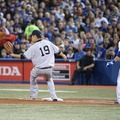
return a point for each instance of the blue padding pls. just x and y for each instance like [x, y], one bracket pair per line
[104, 75]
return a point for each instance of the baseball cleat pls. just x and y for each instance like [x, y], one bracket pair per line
[32, 98]
[55, 100]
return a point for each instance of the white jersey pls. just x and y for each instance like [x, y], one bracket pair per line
[99, 20]
[42, 53]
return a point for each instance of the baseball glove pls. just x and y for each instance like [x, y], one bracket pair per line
[4, 38]
[8, 47]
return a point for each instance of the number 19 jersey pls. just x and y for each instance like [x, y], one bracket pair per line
[42, 53]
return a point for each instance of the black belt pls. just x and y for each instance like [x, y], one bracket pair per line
[46, 67]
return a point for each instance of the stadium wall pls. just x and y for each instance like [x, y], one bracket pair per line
[18, 71]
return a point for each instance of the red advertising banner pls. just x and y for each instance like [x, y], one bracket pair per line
[62, 72]
[27, 69]
[20, 71]
[11, 70]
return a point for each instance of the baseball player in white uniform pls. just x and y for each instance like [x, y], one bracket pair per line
[42, 55]
[117, 58]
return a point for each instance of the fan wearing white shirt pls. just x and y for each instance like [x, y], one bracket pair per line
[99, 19]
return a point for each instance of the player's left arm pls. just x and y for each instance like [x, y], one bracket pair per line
[21, 56]
[15, 55]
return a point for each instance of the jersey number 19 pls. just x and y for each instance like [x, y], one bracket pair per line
[45, 50]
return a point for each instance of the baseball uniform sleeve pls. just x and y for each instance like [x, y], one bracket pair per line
[55, 48]
[29, 53]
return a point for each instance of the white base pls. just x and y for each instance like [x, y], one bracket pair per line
[50, 99]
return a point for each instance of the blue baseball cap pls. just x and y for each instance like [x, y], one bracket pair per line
[88, 47]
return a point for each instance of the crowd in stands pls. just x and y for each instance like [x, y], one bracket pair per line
[70, 24]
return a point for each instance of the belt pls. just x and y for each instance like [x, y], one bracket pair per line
[46, 67]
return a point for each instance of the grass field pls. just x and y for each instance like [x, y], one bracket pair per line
[69, 109]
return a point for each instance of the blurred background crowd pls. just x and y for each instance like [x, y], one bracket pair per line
[69, 24]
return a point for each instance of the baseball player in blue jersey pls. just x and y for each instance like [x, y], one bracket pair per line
[42, 55]
[117, 58]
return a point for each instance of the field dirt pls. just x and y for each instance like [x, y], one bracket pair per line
[69, 101]
[65, 102]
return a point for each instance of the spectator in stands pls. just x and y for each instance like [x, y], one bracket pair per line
[2, 17]
[67, 44]
[40, 25]
[76, 40]
[80, 53]
[62, 48]
[91, 42]
[30, 28]
[55, 34]
[70, 53]
[110, 53]
[70, 27]
[46, 19]
[60, 14]
[23, 45]
[88, 18]
[98, 35]
[4, 54]
[58, 41]
[88, 8]
[104, 27]
[67, 14]
[118, 28]
[3, 28]
[61, 26]
[17, 48]
[84, 65]
[63, 35]
[100, 18]
[83, 36]
[71, 44]
[70, 35]
[80, 27]
[101, 51]
[107, 41]
[114, 42]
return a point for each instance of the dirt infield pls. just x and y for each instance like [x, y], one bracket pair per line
[70, 101]
[65, 102]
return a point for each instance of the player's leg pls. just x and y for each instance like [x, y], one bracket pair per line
[51, 86]
[118, 88]
[33, 84]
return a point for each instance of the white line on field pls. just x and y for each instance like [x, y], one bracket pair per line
[25, 90]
